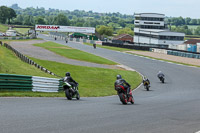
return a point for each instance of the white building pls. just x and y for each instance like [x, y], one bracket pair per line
[150, 28]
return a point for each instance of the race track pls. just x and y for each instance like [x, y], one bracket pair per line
[173, 107]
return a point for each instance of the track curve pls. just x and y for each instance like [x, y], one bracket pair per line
[172, 107]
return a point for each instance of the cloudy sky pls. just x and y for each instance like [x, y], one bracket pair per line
[174, 8]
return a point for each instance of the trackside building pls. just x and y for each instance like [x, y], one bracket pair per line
[150, 28]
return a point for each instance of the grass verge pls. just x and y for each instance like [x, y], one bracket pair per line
[74, 53]
[3, 28]
[11, 64]
[93, 82]
[108, 47]
[22, 30]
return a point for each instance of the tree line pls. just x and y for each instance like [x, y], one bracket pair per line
[105, 23]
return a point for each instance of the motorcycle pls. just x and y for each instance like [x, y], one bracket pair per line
[146, 85]
[162, 79]
[71, 92]
[122, 93]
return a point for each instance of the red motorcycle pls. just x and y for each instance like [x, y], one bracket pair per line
[122, 93]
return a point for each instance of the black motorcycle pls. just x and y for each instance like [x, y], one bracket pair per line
[71, 92]
[146, 85]
[162, 79]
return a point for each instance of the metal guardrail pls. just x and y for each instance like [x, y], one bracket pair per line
[16, 38]
[13, 82]
[42, 84]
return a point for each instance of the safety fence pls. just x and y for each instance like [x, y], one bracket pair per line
[14, 82]
[177, 53]
[16, 38]
[27, 60]
[145, 48]
[63, 37]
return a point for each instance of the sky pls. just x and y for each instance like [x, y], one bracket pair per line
[171, 8]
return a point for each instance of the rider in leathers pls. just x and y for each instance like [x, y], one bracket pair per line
[70, 80]
[160, 74]
[123, 82]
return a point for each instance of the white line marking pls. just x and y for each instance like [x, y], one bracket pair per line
[198, 132]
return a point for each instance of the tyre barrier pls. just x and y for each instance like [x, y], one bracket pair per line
[12, 82]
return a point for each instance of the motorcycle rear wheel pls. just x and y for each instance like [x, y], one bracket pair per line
[132, 101]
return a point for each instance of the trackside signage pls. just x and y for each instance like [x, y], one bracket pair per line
[64, 28]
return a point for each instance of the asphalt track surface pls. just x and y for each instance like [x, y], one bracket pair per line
[173, 107]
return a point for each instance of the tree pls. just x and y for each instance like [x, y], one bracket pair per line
[61, 19]
[187, 20]
[125, 31]
[39, 20]
[28, 20]
[3, 14]
[105, 30]
[11, 14]
[197, 31]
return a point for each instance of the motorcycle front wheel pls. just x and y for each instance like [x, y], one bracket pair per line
[147, 87]
[77, 96]
[68, 94]
[122, 98]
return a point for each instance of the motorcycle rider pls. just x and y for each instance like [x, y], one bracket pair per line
[70, 80]
[160, 75]
[145, 79]
[66, 39]
[123, 82]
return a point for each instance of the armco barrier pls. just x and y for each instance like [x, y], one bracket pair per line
[42, 84]
[16, 38]
[145, 48]
[13, 82]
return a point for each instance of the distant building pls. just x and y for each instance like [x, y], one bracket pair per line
[150, 28]
[124, 38]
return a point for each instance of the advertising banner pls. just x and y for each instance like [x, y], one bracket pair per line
[64, 28]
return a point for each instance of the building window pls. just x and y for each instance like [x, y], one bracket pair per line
[149, 19]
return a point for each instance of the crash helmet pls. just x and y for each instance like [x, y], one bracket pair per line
[67, 74]
[119, 76]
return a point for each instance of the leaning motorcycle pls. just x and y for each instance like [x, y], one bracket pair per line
[146, 85]
[122, 93]
[162, 79]
[71, 92]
